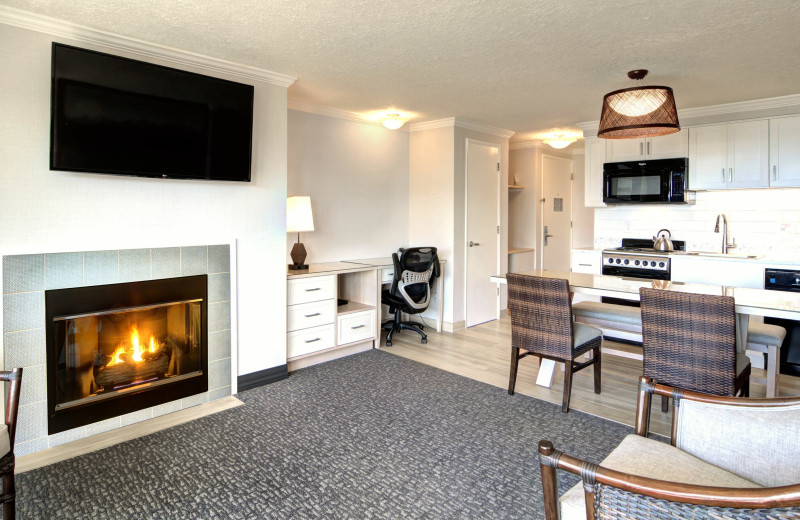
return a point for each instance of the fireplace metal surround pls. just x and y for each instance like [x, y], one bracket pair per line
[65, 307]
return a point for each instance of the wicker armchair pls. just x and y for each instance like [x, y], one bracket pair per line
[541, 325]
[7, 433]
[689, 342]
[729, 458]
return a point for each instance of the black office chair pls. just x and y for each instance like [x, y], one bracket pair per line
[410, 292]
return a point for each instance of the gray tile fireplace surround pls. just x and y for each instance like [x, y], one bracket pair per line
[26, 277]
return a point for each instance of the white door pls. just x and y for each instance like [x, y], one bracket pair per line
[556, 231]
[482, 238]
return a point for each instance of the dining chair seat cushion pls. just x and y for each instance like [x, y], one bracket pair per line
[583, 334]
[765, 334]
[654, 459]
[608, 312]
[756, 443]
[5, 442]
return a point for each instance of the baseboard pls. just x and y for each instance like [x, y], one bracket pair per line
[454, 327]
[262, 377]
[330, 354]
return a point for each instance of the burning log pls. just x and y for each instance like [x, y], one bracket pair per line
[129, 364]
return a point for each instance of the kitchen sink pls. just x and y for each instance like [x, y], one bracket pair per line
[723, 255]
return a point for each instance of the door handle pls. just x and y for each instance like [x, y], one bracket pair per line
[473, 244]
[546, 235]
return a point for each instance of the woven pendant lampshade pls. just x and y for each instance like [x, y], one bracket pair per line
[645, 111]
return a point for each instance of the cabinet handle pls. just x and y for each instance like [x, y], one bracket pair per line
[312, 315]
[312, 340]
[774, 172]
[723, 175]
[730, 174]
[314, 289]
[358, 327]
[648, 147]
[585, 265]
[641, 148]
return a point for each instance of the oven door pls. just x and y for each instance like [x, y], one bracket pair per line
[635, 186]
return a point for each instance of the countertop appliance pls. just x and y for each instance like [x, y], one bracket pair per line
[786, 280]
[662, 181]
[636, 258]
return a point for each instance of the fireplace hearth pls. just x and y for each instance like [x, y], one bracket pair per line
[115, 349]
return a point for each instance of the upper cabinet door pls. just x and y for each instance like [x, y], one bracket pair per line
[595, 149]
[620, 150]
[748, 154]
[784, 152]
[667, 146]
[708, 157]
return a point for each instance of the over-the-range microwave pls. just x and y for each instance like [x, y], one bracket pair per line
[660, 181]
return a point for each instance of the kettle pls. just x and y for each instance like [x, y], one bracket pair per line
[661, 242]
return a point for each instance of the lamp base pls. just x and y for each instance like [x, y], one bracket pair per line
[298, 255]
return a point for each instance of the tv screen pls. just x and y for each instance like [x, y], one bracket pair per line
[121, 116]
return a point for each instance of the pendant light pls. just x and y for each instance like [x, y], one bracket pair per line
[643, 111]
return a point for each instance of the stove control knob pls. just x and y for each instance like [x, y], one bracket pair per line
[627, 261]
[636, 262]
[618, 260]
[661, 264]
[610, 260]
[646, 263]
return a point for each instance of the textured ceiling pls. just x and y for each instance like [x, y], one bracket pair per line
[523, 65]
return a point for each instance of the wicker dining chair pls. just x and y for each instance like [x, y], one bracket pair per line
[542, 325]
[7, 433]
[689, 341]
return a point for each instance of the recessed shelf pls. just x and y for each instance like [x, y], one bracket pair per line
[516, 187]
[350, 307]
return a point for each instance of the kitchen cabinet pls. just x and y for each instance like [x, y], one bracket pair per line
[663, 147]
[784, 152]
[595, 150]
[731, 272]
[727, 156]
[587, 261]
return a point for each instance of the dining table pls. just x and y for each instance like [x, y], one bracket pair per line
[748, 301]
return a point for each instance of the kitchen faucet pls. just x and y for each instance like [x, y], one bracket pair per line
[725, 244]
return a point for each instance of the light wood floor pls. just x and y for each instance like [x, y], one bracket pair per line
[483, 353]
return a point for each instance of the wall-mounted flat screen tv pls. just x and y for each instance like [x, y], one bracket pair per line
[127, 117]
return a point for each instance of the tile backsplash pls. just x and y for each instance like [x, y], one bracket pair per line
[765, 221]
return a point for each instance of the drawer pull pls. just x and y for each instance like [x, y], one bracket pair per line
[586, 265]
[312, 340]
[358, 326]
[312, 315]
[314, 289]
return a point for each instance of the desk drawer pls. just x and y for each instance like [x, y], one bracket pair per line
[312, 289]
[356, 326]
[387, 275]
[311, 314]
[310, 340]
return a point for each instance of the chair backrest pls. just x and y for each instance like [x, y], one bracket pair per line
[541, 314]
[14, 378]
[414, 271]
[689, 340]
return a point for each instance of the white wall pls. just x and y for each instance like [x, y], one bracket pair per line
[582, 217]
[765, 221]
[47, 211]
[357, 177]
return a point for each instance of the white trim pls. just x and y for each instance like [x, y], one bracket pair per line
[303, 106]
[461, 123]
[81, 33]
[523, 145]
[724, 109]
[498, 262]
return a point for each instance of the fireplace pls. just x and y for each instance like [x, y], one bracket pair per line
[115, 349]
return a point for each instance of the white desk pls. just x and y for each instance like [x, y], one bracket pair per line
[385, 267]
[758, 302]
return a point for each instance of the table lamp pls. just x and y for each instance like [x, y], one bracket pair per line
[298, 219]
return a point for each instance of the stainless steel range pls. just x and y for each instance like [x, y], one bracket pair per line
[637, 259]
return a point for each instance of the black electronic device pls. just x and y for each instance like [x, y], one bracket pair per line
[121, 116]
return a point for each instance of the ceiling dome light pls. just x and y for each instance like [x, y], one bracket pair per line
[392, 121]
[559, 141]
[645, 111]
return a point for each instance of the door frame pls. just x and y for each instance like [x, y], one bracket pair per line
[498, 220]
[540, 231]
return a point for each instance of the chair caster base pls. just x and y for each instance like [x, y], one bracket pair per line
[388, 343]
[424, 340]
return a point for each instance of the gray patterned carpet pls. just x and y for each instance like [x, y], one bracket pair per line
[368, 436]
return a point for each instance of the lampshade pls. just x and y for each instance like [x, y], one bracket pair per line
[298, 215]
[392, 121]
[645, 111]
[559, 141]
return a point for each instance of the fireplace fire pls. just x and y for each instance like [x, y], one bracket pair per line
[114, 349]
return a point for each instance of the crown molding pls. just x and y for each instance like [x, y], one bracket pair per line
[430, 125]
[63, 29]
[303, 106]
[461, 123]
[522, 145]
[724, 109]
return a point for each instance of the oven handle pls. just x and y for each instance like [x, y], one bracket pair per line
[635, 273]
